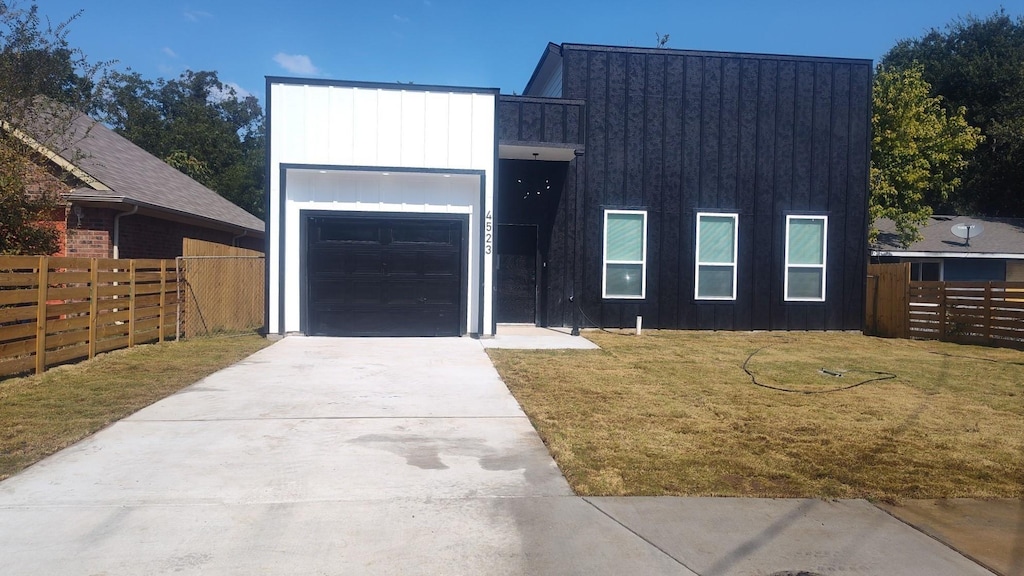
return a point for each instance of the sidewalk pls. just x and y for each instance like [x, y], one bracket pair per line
[990, 532]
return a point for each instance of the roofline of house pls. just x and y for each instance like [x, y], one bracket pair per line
[290, 81]
[54, 157]
[549, 50]
[910, 254]
[541, 100]
[147, 209]
[713, 53]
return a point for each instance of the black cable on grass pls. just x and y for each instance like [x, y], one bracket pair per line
[977, 358]
[882, 376]
[596, 325]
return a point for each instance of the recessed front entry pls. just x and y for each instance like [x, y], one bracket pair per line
[516, 274]
[385, 275]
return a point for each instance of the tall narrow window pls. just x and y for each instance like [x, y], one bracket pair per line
[716, 256]
[806, 248]
[625, 254]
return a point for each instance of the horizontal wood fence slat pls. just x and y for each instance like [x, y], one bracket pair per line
[55, 310]
[989, 313]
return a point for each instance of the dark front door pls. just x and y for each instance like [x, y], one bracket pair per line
[516, 247]
[384, 276]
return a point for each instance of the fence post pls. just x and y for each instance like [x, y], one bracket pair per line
[94, 305]
[905, 299]
[177, 294]
[988, 312]
[943, 313]
[163, 300]
[131, 303]
[44, 271]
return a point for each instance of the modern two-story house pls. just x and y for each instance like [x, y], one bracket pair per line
[697, 190]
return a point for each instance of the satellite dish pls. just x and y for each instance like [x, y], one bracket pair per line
[967, 230]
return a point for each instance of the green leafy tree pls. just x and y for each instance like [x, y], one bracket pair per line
[917, 151]
[195, 123]
[978, 64]
[43, 80]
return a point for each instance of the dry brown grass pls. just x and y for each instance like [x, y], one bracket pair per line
[673, 413]
[40, 415]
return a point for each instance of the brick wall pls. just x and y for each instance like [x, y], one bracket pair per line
[147, 237]
[89, 236]
[140, 236]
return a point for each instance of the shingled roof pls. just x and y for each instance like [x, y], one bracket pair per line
[1000, 236]
[119, 172]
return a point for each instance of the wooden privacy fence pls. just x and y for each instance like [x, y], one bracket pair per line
[990, 313]
[222, 288]
[887, 304]
[55, 310]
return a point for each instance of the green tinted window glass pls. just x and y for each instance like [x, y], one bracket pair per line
[716, 239]
[625, 237]
[806, 241]
[624, 280]
[805, 283]
[714, 282]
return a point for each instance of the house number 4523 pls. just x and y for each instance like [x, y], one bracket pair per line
[488, 232]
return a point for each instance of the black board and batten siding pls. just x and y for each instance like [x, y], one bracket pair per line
[539, 120]
[677, 132]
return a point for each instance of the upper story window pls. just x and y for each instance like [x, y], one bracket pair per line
[716, 256]
[806, 250]
[624, 272]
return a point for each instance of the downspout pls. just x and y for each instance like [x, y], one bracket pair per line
[242, 235]
[116, 240]
[117, 230]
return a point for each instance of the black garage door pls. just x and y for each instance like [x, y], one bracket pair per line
[384, 276]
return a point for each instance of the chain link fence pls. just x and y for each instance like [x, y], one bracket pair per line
[220, 295]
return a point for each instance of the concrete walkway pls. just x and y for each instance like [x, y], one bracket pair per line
[394, 456]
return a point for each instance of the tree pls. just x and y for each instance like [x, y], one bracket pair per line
[978, 64]
[195, 123]
[918, 151]
[43, 80]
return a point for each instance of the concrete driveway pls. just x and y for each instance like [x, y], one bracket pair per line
[393, 456]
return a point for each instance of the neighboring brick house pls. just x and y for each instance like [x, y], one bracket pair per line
[123, 202]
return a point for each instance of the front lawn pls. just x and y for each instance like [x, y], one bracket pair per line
[674, 413]
[42, 414]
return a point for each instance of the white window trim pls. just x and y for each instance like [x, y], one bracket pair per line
[605, 261]
[735, 254]
[824, 258]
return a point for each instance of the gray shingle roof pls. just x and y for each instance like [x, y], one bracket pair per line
[135, 176]
[999, 236]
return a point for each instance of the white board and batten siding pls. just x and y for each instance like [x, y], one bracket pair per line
[432, 145]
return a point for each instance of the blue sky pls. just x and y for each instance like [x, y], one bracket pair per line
[470, 43]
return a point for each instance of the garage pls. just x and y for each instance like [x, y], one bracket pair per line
[380, 209]
[385, 275]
